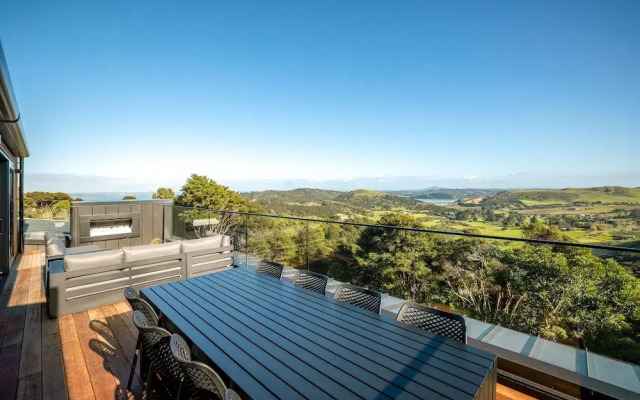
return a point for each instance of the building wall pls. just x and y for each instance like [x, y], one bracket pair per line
[6, 152]
[151, 221]
[16, 212]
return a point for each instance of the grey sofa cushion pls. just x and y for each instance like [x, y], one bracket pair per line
[92, 260]
[82, 249]
[137, 253]
[55, 248]
[208, 243]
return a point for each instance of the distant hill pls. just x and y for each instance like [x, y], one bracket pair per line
[446, 194]
[545, 197]
[326, 203]
[376, 201]
[303, 195]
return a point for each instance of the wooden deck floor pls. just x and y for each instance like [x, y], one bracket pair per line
[86, 355]
[81, 356]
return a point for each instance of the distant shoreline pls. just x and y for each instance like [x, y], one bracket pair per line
[110, 196]
[437, 201]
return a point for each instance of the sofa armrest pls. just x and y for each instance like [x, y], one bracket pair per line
[55, 287]
[54, 257]
[47, 261]
[209, 260]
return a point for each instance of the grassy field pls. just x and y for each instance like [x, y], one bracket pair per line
[601, 206]
[589, 215]
[486, 228]
[591, 209]
[605, 195]
[534, 203]
[497, 229]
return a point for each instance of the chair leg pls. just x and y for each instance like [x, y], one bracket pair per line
[179, 389]
[148, 383]
[134, 362]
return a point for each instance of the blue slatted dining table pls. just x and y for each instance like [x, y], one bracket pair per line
[277, 341]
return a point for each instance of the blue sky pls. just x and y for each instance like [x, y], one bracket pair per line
[121, 95]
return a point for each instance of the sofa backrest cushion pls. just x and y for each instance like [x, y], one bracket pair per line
[77, 262]
[137, 253]
[48, 237]
[208, 243]
[55, 248]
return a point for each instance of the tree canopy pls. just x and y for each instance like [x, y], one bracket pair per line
[207, 198]
[203, 192]
[45, 199]
[63, 205]
[164, 193]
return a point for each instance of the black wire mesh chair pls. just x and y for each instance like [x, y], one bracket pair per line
[433, 320]
[230, 394]
[359, 297]
[311, 281]
[269, 268]
[201, 381]
[156, 352]
[138, 304]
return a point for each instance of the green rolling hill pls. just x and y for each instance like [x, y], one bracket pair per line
[547, 197]
[327, 203]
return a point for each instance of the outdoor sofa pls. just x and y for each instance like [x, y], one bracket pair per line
[55, 250]
[94, 277]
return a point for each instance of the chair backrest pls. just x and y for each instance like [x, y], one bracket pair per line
[149, 333]
[232, 395]
[269, 268]
[311, 281]
[156, 347]
[433, 320]
[359, 297]
[201, 380]
[138, 304]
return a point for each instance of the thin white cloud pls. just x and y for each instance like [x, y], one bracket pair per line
[97, 183]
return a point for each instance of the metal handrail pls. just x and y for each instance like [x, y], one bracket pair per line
[424, 230]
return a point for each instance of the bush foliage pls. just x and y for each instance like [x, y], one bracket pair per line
[47, 205]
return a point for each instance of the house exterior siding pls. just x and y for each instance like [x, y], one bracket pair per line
[13, 150]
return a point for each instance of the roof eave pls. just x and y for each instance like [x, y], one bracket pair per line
[10, 125]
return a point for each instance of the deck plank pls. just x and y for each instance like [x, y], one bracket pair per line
[126, 313]
[13, 294]
[31, 358]
[124, 336]
[30, 387]
[115, 355]
[18, 309]
[9, 367]
[6, 299]
[102, 380]
[77, 376]
[53, 374]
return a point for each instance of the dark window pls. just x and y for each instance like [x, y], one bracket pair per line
[12, 213]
